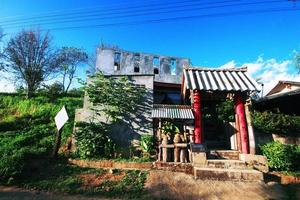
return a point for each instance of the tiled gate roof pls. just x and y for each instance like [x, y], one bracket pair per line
[219, 79]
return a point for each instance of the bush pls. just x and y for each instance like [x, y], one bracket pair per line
[282, 157]
[17, 152]
[281, 124]
[147, 143]
[92, 141]
[225, 111]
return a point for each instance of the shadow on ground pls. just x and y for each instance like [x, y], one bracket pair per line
[170, 185]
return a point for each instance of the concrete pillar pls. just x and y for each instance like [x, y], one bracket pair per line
[240, 114]
[198, 139]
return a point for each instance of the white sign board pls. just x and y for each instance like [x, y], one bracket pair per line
[61, 118]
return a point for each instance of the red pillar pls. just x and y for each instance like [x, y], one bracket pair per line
[240, 113]
[197, 114]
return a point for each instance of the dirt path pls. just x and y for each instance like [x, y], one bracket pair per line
[15, 193]
[170, 185]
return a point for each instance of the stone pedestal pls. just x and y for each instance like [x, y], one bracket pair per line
[198, 154]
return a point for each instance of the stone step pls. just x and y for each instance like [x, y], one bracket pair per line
[223, 154]
[227, 164]
[228, 174]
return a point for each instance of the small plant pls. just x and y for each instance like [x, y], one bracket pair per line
[225, 111]
[169, 129]
[92, 141]
[281, 157]
[147, 144]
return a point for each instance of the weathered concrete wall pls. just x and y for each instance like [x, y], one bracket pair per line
[131, 127]
[169, 68]
[117, 62]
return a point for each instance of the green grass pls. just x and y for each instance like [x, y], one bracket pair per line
[27, 133]
[27, 130]
[62, 177]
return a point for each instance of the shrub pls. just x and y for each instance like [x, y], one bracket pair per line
[92, 141]
[147, 143]
[281, 124]
[225, 111]
[282, 157]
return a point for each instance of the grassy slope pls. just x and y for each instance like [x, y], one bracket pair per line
[27, 133]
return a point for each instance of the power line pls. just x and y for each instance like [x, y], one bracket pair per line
[163, 20]
[157, 11]
[84, 10]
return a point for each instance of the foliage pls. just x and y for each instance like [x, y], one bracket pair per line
[92, 141]
[69, 58]
[115, 97]
[169, 129]
[147, 143]
[27, 131]
[30, 57]
[17, 152]
[282, 157]
[281, 124]
[52, 91]
[225, 111]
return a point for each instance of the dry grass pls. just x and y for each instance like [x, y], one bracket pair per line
[94, 180]
[170, 185]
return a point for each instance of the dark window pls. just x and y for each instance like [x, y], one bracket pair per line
[136, 60]
[117, 61]
[136, 69]
[156, 71]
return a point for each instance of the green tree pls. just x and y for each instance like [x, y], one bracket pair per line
[29, 56]
[69, 59]
[115, 97]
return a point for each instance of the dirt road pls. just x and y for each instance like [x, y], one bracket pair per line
[15, 193]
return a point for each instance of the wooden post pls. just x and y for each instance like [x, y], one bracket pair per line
[176, 148]
[197, 113]
[250, 128]
[238, 134]
[57, 143]
[164, 149]
[240, 111]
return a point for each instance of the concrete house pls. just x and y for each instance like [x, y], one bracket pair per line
[160, 75]
[187, 97]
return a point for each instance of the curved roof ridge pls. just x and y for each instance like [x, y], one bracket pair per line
[198, 68]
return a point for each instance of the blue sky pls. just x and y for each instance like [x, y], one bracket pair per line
[262, 41]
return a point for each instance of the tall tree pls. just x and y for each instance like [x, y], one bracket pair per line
[30, 57]
[69, 59]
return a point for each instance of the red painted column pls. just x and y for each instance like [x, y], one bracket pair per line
[197, 114]
[240, 113]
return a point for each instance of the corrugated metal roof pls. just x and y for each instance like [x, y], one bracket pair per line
[172, 111]
[219, 79]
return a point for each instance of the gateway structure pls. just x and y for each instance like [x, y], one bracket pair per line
[187, 96]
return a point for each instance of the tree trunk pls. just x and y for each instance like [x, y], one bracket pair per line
[30, 92]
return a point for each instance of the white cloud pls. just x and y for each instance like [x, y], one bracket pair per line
[230, 64]
[270, 71]
[5, 85]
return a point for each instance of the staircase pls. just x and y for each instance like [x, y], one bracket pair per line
[225, 165]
